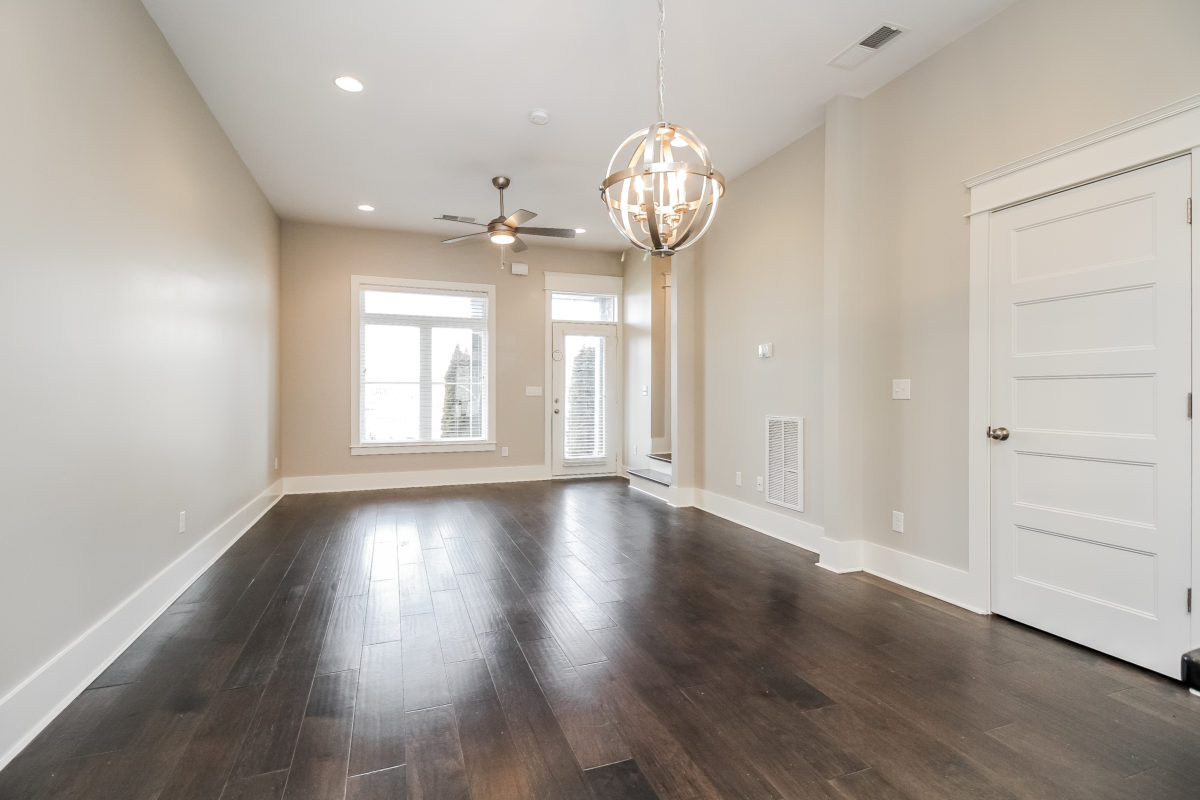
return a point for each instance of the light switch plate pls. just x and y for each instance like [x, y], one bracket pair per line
[901, 389]
[533, 391]
[766, 350]
[898, 521]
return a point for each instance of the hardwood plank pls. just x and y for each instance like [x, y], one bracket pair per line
[386, 784]
[454, 627]
[378, 739]
[203, 768]
[319, 766]
[268, 786]
[439, 570]
[414, 589]
[383, 612]
[620, 781]
[424, 673]
[344, 640]
[435, 769]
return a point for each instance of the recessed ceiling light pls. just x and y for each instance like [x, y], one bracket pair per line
[539, 116]
[581, 230]
[348, 83]
[365, 207]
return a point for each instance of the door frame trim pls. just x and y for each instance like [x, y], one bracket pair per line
[584, 284]
[1159, 135]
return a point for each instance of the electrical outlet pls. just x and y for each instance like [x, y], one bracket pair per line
[737, 479]
[898, 521]
[276, 462]
[504, 452]
[758, 483]
[182, 521]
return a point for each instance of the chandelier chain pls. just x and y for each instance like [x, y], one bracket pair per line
[662, 57]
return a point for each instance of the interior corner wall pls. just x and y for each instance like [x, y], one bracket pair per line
[138, 338]
[317, 262]
[1038, 74]
[759, 279]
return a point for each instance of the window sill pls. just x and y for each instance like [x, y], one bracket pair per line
[420, 447]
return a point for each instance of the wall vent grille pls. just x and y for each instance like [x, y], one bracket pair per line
[880, 37]
[785, 462]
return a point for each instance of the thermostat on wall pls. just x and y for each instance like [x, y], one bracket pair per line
[518, 268]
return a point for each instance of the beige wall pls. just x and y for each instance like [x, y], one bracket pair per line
[1038, 74]
[759, 280]
[138, 303]
[318, 261]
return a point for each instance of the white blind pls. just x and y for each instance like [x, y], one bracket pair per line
[586, 436]
[423, 365]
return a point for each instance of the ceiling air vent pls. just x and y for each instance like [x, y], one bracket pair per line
[857, 53]
[880, 37]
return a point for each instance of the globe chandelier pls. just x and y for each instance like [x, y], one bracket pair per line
[662, 190]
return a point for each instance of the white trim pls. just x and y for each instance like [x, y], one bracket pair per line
[1195, 638]
[36, 701]
[1159, 134]
[360, 282]
[841, 557]
[366, 481]
[673, 496]
[954, 586]
[421, 447]
[784, 527]
[584, 284]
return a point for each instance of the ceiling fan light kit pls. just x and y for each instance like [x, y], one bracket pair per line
[662, 190]
[504, 230]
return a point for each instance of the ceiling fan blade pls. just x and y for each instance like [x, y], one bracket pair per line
[460, 238]
[519, 246]
[519, 217]
[456, 218]
[562, 233]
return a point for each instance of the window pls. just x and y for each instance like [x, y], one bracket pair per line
[573, 307]
[422, 355]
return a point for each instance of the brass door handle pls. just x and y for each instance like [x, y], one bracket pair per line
[999, 434]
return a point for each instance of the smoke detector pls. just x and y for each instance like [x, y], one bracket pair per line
[854, 55]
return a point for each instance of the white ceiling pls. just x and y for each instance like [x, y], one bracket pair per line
[449, 87]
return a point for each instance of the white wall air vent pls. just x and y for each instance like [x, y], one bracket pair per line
[785, 462]
[869, 45]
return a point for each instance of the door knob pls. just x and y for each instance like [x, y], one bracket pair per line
[556, 411]
[999, 434]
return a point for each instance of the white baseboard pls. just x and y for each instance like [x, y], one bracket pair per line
[310, 484]
[928, 577]
[840, 556]
[675, 496]
[764, 520]
[37, 700]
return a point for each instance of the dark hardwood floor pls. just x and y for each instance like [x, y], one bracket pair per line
[578, 641]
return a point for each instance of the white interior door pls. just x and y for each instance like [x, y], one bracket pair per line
[1091, 531]
[583, 398]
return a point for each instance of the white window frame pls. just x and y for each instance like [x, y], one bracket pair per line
[357, 448]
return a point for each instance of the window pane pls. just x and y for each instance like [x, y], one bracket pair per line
[419, 304]
[391, 412]
[458, 375]
[585, 431]
[391, 353]
[583, 307]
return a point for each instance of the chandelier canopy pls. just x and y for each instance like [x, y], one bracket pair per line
[662, 190]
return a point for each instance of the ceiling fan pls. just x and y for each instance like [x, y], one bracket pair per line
[504, 230]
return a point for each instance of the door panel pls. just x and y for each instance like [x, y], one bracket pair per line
[583, 397]
[1091, 328]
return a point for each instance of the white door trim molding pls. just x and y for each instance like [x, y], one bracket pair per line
[1164, 133]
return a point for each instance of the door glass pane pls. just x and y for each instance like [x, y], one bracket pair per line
[583, 307]
[584, 425]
